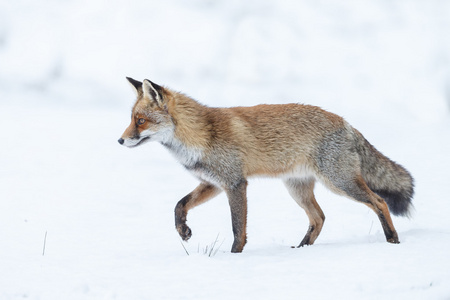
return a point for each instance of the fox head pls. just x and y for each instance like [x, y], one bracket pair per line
[150, 119]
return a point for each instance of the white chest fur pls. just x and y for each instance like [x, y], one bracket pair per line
[187, 156]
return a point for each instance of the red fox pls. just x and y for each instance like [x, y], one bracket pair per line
[300, 144]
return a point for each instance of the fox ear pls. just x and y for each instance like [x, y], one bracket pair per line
[136, 85]
[152, 91]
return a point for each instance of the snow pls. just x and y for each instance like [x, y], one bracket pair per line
[105, 212]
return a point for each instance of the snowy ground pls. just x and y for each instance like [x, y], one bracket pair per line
[108, 215]
[105, 212]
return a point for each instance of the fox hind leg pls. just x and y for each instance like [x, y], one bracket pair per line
[199, 195]
[339, 168]
[358, 190]
[302, 190]
[379, 206]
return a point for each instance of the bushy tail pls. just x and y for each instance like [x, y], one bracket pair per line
[386, 178]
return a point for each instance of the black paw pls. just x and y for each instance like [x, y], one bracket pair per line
[393, 240]
[305, 242]
[184, 231]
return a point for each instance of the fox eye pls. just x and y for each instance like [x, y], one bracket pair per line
[141, 121]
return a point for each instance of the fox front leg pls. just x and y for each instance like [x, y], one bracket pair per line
[204, 192]
[237, 198]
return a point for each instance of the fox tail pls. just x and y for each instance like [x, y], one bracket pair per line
[386, 178]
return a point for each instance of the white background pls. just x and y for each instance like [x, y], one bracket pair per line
[105, 212]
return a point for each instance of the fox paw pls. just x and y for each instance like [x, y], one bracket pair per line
[393, 240]
[184, 231]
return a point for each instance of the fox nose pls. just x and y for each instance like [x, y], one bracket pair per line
[121, 141]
